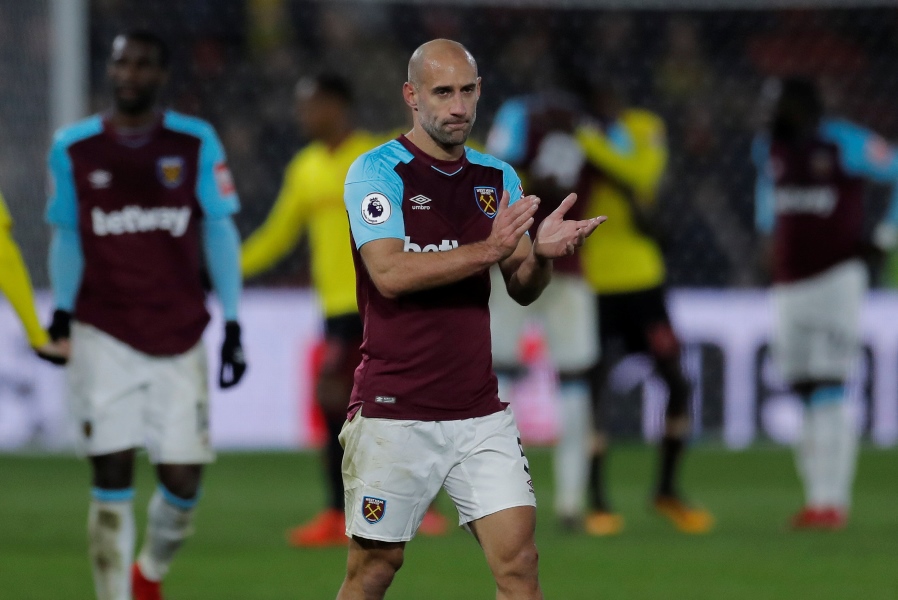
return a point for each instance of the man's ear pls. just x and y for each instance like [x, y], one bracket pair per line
[409, 94]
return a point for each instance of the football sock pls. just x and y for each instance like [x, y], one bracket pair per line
[570, 457]
[169, 523]
[821, 446]
[110, 533]
[671, 450]
[845, 457]
[333, 461]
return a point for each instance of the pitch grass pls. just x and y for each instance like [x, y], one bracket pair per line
[250, 500]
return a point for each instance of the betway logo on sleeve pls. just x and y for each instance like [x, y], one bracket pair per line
[135, 219]
[444, 245]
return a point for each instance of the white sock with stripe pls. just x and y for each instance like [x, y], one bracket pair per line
[169, 523]
[110, 534]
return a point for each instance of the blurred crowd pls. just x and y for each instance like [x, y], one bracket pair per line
[236, 63]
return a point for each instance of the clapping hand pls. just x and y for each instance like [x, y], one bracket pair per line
[556, 237]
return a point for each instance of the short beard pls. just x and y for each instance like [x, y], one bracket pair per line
[447, 140]
[143, 103]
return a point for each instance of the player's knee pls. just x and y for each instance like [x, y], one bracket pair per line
[518, 567]
[113, 471]
[376, 571]
[182, 481]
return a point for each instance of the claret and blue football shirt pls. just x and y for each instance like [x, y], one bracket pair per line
[425, 355]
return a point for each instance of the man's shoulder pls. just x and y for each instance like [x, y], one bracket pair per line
[189, 125]
[379, 162]
[80, 130]
[476, 157]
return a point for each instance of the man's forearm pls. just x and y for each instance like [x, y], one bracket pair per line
[407, 272]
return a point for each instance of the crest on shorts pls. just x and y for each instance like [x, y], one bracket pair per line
[487, 200]
[170, 170]
[373, 509]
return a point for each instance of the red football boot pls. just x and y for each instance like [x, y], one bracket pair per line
[827, 519]
[142, 588]
[328, 528]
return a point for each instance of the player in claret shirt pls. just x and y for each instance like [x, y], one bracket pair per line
[809, 198]
[429, 217]
[139, 196]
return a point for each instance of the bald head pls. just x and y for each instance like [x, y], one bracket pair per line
[437, 55]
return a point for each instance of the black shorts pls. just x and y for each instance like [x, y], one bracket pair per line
[342, 337]
[636, 322]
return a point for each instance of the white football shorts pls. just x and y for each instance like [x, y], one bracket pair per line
[122, 398]
[393, 469]
[566, 312]
[817, 333]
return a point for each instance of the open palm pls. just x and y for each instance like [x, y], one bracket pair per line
[556, 237]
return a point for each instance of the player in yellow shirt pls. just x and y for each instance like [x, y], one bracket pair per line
[625, 268]
[311, 201]
[16, 286]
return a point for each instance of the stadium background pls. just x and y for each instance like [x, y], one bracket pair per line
[701, 65]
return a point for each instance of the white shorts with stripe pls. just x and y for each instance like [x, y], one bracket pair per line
[123, 398]
[566, 312]
[393, 469]
[817, 333]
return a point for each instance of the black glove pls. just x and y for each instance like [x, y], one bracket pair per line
[233, 363]
[61, 326]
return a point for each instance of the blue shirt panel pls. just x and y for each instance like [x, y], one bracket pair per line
[765, 214]
[212, 166]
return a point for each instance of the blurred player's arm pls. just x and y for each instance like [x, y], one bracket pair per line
[16, 285]
[638, 169]
[765, 209]
[866, 154]
[221, 243]
[282, 227]
[65, 257]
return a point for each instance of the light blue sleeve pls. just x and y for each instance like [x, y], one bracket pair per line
[373, 198]
[866, 154]
[66, 265]
[221, 243]
[62, 204]
[214, 184]
[512, 183]
[507, 139]
[765, 215]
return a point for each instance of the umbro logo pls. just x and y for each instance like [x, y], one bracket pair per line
[100, 179]
[421, 201]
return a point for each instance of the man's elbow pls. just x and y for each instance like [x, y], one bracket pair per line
[387, 286]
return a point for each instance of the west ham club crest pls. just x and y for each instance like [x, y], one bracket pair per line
[170, 170]
[487, 200]
[373, 509]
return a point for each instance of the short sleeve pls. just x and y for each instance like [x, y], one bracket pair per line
[373, 198]
[863, 153]
[62, 204]
[512, 183]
